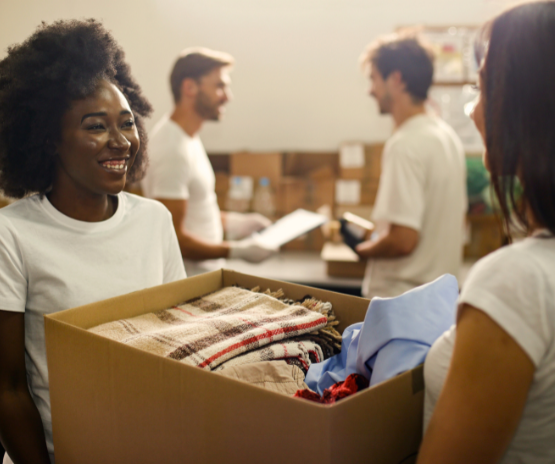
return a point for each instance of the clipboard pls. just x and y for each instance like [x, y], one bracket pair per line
[290, 227]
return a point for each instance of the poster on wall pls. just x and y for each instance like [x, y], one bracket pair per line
[454, 104]
[449, 61]
[454, 53]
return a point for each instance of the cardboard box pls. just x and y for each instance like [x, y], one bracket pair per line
[258, 165]
[322, 173]
[222, 186]
[356, 192]
[368, 191]
[364, 211]
[341, 261]
[312, 164]
[485, 235]
[348, 192]
[310, 194]
[219, 162]
[313, 241]
[113, 403]
[290, 195]
[370, 167]
[222, 182]
[346, 269]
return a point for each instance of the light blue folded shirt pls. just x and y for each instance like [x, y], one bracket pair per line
[395, 336]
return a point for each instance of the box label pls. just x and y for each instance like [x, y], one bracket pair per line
[347, 192]
[351, 156]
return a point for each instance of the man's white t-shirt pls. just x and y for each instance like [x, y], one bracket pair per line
[515, 286]
[422, 186]
[50, 262]
[179, 169]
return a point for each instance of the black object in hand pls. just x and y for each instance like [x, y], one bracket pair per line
[350, 239]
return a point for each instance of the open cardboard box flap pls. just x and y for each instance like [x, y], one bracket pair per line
[112, 403]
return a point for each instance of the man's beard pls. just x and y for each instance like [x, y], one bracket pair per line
[385, 104]
[207, 109]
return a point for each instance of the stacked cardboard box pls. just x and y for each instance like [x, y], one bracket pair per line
[307, 193]
[359, 177]
[346, 181]
[257, 165]
[341, 261]
[484, 235]
[309, 183]
[298, 180]
[222, 186]
[245, 164]
[308, 180]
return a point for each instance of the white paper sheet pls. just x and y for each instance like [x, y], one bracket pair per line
[290, 227]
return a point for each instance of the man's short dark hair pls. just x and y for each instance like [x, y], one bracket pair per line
[406, 53]
[193, 63]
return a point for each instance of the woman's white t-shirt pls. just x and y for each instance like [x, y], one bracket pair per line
[515, 286]
[50, 262]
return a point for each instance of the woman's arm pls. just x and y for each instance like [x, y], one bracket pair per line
[21, 428]
[483, 397]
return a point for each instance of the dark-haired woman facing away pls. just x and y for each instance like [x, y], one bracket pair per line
[490, 382]
[71, 134]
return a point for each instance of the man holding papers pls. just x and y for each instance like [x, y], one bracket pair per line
[421, 201]
[180, 175]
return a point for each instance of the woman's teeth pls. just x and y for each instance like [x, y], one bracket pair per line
[115, 165]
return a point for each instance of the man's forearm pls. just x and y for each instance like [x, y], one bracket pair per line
[383, 247]
[21, 428]
[196, 249]
[396, 242]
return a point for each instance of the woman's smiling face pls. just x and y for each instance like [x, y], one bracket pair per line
[98, 143]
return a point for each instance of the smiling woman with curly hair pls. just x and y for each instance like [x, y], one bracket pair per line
[71, 136]
[38, 80]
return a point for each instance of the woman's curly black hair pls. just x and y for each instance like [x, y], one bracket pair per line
[39, 78]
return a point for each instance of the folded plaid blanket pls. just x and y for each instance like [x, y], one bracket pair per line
[328, 349]
[210, 330]
[276, 376]
[299, 352]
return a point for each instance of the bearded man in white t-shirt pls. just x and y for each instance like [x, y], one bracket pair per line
[181, 177]
[421, 201]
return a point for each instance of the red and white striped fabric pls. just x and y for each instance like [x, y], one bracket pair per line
[300, 352]
[217, 327]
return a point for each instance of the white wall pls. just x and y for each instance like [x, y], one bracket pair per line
[296, 84]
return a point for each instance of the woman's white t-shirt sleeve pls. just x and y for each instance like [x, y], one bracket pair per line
[511, 289]
[13, 280]
[401, 198]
